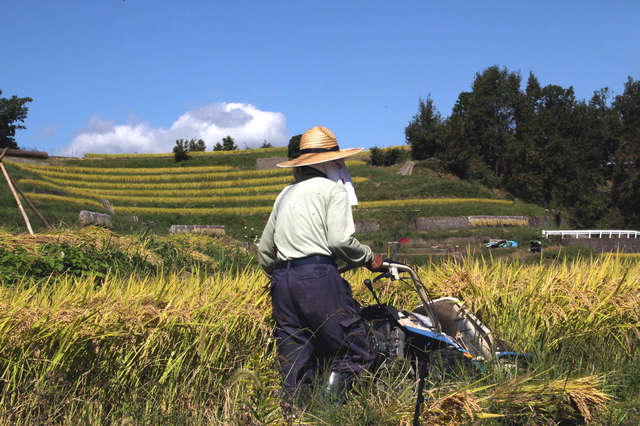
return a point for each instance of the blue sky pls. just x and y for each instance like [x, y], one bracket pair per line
[132, 76]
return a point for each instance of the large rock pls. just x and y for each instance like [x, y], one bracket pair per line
[87, 217]
[215, 230]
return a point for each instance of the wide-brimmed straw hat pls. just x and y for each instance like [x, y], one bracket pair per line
[318, 145]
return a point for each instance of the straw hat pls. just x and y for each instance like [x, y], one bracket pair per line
[318, 145]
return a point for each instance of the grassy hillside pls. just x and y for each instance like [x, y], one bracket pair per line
[224, 188]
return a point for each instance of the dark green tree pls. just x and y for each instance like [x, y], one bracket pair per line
[180, 150]
[218, 147]
[294, 146]
[490, 116]
[422, 131]
[385, 157]
[228, 144]
[13, 111]
[196, 145]
[266, 144]
[625, 192]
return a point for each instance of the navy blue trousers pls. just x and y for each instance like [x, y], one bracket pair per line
[316, 315]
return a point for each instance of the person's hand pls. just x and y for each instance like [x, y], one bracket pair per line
[376, 263]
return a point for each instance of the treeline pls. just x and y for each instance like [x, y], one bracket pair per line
[541, 144]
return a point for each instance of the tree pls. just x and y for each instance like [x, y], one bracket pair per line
[12, 112]
[218, 147]
[196, 145]
[422, 131]
[228, 144]
[490, 113]
[385, 157]
[266, 144]
[294, 146]
[180, 151]
[625, 192]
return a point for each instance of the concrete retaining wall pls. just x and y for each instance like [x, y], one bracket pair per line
[438, 223]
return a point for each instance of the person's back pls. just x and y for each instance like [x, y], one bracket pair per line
[310, 227]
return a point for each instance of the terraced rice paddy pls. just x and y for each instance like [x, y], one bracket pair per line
[203, 190]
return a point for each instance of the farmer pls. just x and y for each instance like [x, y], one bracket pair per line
[310, 227]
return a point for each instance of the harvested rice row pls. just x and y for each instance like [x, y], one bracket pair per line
[176, 185]
[235, 210]
[426, 201]
[151, 174]
[498, 222]
[66, 199]
[203, 198]
[253, 209]
[120, 170]
[166, 177]
[236, 183]
[89, 192]
[194, 211]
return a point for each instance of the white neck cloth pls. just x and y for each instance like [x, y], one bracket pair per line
[337, 171]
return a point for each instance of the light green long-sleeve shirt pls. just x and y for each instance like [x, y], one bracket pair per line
[311, 217]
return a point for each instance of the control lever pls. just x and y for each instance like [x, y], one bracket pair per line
[367, 282]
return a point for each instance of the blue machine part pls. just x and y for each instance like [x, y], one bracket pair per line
[439, 337]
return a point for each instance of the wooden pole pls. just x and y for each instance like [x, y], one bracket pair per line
[6, 176]
[24, 197]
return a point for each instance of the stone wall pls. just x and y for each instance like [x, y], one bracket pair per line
[438, 223]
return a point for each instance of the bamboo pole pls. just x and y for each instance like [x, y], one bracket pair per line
[6, 176]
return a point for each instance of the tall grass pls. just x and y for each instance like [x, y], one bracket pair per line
[198, 349]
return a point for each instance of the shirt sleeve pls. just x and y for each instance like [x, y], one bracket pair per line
[267, 247]
[340, 230]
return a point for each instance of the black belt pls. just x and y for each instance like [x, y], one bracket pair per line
[315, 258]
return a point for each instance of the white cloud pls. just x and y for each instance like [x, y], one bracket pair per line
[246, 124]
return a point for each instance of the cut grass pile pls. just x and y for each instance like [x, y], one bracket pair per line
[198, 348]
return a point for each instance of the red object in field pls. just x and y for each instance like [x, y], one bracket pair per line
[403, 240]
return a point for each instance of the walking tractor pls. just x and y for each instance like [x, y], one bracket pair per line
[440, 332]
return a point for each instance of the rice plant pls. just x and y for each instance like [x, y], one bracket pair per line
[198, 348]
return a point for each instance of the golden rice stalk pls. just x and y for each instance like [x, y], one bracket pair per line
[498, 222]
